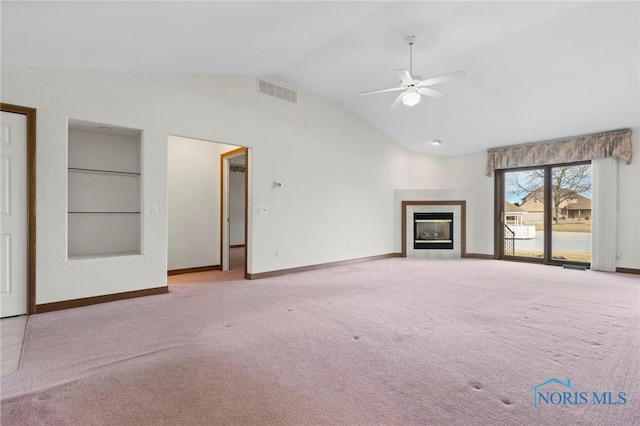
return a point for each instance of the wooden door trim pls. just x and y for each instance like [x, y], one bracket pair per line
[223, 156]
[30, 114]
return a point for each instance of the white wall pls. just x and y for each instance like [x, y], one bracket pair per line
[336, 200]
[339, 172]
[193, 177]
[465, 174]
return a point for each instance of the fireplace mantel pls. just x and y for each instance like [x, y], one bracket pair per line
[435, 203]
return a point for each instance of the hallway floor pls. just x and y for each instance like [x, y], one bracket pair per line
[235, 273]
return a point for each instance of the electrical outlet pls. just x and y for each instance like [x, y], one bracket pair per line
[277, 253]
[348, 246]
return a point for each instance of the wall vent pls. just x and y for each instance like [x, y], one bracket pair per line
[276, 91]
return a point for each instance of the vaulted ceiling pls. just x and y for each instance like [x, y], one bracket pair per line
[534, 70]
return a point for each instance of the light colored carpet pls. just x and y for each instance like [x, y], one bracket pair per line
[396, 341]
[235, 272]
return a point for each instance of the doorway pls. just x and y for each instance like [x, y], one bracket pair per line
[194, 180]
[18, 141]
[234, 190]
[543, 214]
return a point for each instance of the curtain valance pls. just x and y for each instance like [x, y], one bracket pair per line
[581, 148]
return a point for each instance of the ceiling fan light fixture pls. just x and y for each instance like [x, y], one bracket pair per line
[413, 87]
[411, 98]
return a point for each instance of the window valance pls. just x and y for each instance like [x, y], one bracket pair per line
[581, 148]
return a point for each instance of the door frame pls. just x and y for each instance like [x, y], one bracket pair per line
[225, 159]
[30, 114]
[499, 199]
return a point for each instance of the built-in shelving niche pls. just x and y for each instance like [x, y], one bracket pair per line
[104, 181]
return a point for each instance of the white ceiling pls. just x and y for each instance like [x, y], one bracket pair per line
[534, 70]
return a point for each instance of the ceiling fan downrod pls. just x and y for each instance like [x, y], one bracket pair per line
[410, 40]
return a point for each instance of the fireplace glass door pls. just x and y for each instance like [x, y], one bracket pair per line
[433, 231]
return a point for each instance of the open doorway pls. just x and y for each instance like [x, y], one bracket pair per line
[195, 212]
[233, 211]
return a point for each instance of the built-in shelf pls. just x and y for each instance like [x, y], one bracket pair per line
[101, 255]
[107, 172]
[104, 212]
[104, 191]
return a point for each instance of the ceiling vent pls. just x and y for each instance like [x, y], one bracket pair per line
[276, 91]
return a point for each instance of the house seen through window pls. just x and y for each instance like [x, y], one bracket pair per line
[547, 213]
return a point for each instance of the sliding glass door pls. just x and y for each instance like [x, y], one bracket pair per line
[523, 214]
[544, 213]
[571, 213]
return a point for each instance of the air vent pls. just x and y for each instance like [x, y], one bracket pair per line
[276, 91]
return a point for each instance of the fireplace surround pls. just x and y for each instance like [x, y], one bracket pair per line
[457, 207]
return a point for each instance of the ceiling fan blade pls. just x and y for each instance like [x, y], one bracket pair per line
[395, 89]
[441, 79]
[431, 93]
[405, 76]
[397, 102]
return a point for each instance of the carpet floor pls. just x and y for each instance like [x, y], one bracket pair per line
[388, 342]
[235, 272]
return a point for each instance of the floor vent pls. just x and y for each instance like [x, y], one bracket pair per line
[575, 267]
[276, 91]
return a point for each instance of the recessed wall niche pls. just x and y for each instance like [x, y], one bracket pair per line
[104, 181]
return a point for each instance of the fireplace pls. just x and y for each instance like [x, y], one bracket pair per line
[433, 231]
[409, 208]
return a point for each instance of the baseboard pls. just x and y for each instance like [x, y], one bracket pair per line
[196, 269]
[280, 272]
[236, 246]
[76, 303]
[479, 256]
[396, 254]
[628, 270]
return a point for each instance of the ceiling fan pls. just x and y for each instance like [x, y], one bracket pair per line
[412, 86]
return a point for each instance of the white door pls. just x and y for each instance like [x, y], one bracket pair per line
[13, 208]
